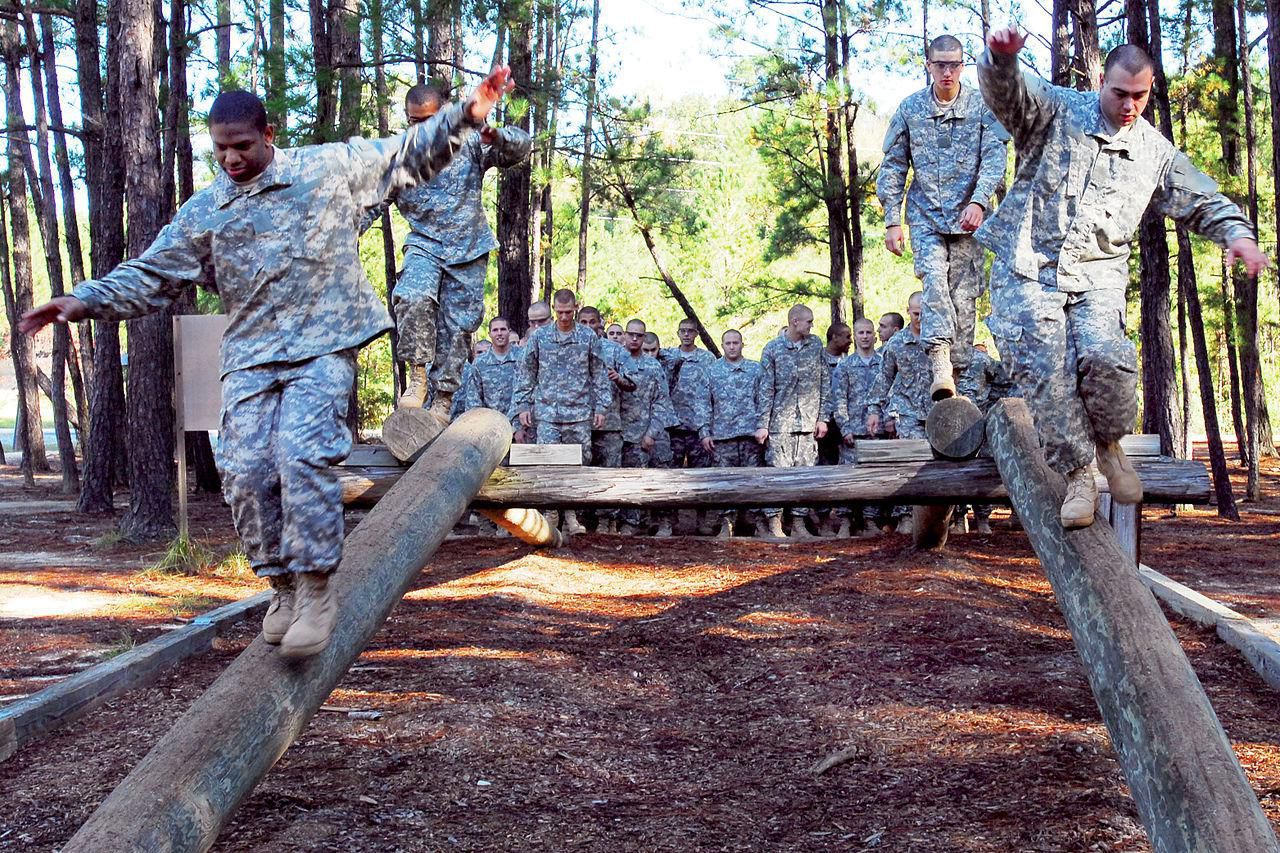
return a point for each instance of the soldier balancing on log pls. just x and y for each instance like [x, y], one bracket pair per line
[954, 149]
[276, 234]
[1089, 167]
[438, 299]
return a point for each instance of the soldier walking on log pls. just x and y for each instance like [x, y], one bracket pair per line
[955, 151]
[733, 413]
[276, 233]
[438, 299]
[1089, 167]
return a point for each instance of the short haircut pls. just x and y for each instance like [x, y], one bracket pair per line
[651, 338]
[425, 93]
[239, 107]
[686, 322]
[943, 44]
[499, 319]
[896, 319]
[836, 328]
[588, 311]
[1131, 58]
[728, 332]
[863, 321]
[611, 325]
[541, 303]
[918, 296]
[564, 296]
[797, 310]
[643, 327]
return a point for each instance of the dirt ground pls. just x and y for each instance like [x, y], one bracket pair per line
[644, 694]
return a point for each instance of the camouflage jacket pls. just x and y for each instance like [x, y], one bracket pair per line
[984, 381]
[616, 358]
[1081, 190]
[562, 376]
[851, 389]
[795, 385]
[647, 409]
[956, 154]
[734, 399]
[492, 381]
[902, 388]
[281, 249]
[687, 382]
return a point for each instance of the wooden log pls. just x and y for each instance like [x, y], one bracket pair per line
[930, 525]
[898, 450]
[975, 481]
[181, 794]
[409, 429]
[1189, 788]
[527, 525]
[955, 429]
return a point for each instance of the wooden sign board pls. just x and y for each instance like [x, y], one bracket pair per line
[546, 454]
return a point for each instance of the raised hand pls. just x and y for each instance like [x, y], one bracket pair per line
[60, 309]
[488, 134]
[1007, 41]
[1247, 252]
[489, 92]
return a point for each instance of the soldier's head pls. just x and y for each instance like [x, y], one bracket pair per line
[915, 306]
[538, 315]
[1126, 85]
[614, 333]
[241, 135]
[565, 306]
[589, 316]
[890, 325]
[687, 332]
[731, 340]
[633, 339]
[651, 345]
[423, 101]
[799, 322]
[864, 336]
[480, 349]
[839, 336]
[944, 57]
[500, 334]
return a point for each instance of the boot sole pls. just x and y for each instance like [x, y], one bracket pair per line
[300, 652]
[272, 639]
[1076, 523]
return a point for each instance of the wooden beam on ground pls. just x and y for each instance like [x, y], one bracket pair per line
[896, 450]
[1189, 788]
[182, 793]
[555, 487]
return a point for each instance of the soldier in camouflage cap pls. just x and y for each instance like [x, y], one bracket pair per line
[439, 297]
[955, 151]
[276, 235]
[1089, 167]
[645, 411]
[728, 435]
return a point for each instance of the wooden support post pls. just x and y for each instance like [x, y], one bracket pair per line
[527, 525]
[1189, 787]
[929, 526]
[180, 795]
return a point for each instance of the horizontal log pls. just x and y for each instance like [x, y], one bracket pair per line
[977, 480]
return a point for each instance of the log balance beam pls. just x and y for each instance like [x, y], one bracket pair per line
[1191, 792]
[182, 792]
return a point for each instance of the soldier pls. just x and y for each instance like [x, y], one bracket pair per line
[493, 374]
[538, 315]
[645, 413]
[438, 299]
[616, 334]
[890, 325]
[839, 338]
[851, 386]
[686, 367]
[795, 404]
[902, 389]
[663, 455]
[276, 235]
[955, 150]
[728, 435]
[1089, 167]
[606, 442]
[563, 384]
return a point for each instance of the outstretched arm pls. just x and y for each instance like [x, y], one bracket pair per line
[1192, 198]
[1021, 105]
[504, 146]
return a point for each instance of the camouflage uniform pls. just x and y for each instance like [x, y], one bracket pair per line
[902, 388]
[1062, 239]
[646, 411]
[851, 391]
[282, 252]
[687, 377]
[562, 379]
[829, 445]
[492, 380]
[985, 382]
[438, 299]
[460, 399]
[606, 443]
[956, 154]
[733, 416]
[795, 393]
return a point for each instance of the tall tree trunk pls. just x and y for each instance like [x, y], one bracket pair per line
[150, 387]
[223, 42]
[834, 195]
[326, 114]
[344, 36]
[47, 214]
[553, 58]
[1088, 56]
[1060, 54]
[376, 21]
[277, 83]
[419, 46]
[853, 232]
[1233, 366]
[515, 283]
[584, 208]
[24, 362]
[19, 345]
[444, 43]
[540, 108]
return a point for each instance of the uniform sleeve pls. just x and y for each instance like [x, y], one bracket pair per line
[825, 403]
[376, 168]
[601, 387]
[511, 147]
[526, 377]
[768, 372]
[1022, 106]
[993, 158]
[664, 414]
[891, 183]
[701, 401]
[840, 394]
[1191, 197]
[150, 282]
[880, 390]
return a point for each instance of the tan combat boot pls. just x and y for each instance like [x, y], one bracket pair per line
[1081, 501]
[775, 527]
[280, 611]
[726, 528]
[314, 615]
[1122, 480]
[944, 381]
[800, 530]
[843, 531]
[571, 524]
[416, 393]
[906, 525]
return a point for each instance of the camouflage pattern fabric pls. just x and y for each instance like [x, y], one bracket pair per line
[950, 268]
[492, 381]
[902, 387]
[851, 387]
[561, 378]
[790, 450]
[795, 386]
[647, 409]
[733, 409]
[741, 451]
[438, 308]
[688, 384]
[985, 381]
[578, 432]
[283, 425]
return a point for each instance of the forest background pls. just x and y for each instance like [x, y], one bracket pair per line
[700, 159]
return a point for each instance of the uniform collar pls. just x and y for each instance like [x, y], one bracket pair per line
[280, 172]
[509, 355]
[740, 364]
[959, 108]
[1120, 140]
[800, 344]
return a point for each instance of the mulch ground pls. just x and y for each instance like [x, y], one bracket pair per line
[669, 695]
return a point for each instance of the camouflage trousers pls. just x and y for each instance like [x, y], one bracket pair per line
[864, 510]
[437, 308]
[742, 451]
[575, 432]
[950, 266]
[634, 456]
[1071, 361]
[907, 427]
[790, 450]
[687, 449]
[606, 452]
[283, 425]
